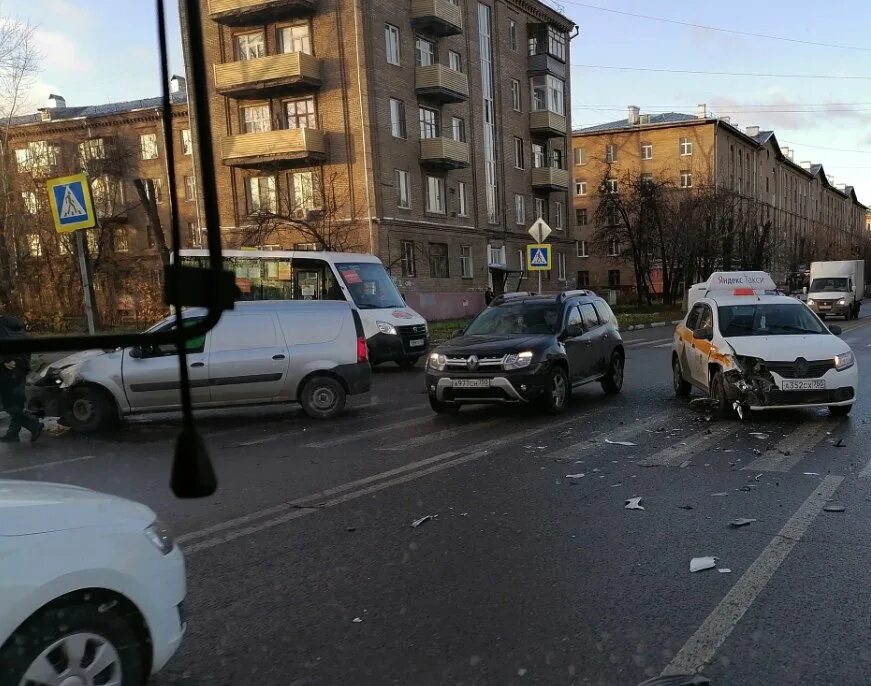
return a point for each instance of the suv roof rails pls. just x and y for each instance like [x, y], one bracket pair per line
[571, 294]
[501, 298]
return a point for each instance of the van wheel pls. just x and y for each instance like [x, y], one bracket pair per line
[90, 409]
[407, 362]
[322, 397]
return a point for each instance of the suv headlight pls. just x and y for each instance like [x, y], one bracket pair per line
[386, 327]
[437, 361]
[158, 534]
[842, 302]
[518, 361]
[810, 301]
[844, 360]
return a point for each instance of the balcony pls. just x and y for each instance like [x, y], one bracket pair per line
[438, 82]
[439, 17]
[264, 76]
[542, 63]
[549, 124]
[286, 147]
[550, 179]
[247, 12]
[444, 153]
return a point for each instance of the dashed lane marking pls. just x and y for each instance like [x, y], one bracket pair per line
[622, 434]
[46, 465]
[676, 455]
[365, 433]
[787, 452]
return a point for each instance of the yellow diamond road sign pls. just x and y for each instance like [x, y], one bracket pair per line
[71, 205]
[538, 257]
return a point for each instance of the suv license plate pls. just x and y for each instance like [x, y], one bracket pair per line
[804, 385]
[825, 307]
[416, 343]
[471, 383]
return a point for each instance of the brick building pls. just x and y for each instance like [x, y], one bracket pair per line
[115, 144]
[433, 132]
[811, 216]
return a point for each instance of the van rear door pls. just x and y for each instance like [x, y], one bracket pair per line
[247, 359]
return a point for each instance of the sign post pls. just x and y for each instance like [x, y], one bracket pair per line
[538, 255]
[72, 209]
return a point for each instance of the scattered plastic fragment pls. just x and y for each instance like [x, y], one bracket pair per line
[757, 451]
[562, 460]
[357, 620]
[741, 521]
[626, 443]
[521, 671]
[351, 529]
[757, 477]
[700, 564]
[758, 434]
[685, 507]
[617, 484]
[724, 570]
[417, 522]
[739, 408]
[678, 680]
[633, 504]
[811, 473]
[719, 495]
[840, 443]
[834, 508]
[575, 476]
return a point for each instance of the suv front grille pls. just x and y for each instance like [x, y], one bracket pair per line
[463, 361]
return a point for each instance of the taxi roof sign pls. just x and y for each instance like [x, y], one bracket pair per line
[743, 281]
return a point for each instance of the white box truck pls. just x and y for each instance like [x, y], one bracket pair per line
[836, 288]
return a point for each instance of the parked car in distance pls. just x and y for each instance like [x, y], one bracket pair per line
[311, 352]
[528, 348]
[92, 588]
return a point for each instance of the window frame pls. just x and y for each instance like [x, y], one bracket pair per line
[685, 147]
[582, 249]
[402, 189]
[516, 96]
[647, 151]
[580, 189]
[455, 61]
[442, 268]
[433, 56]
[244, 121]
[520, 208]
[559, 220]
[407, 259]
[519, 153]
[190, 188]
[467, 269]
[610, 152]
[560, 266]
[579, 156]
[578, 217]
[391, 47]
[398, 119]
[439, 187]
[249, 194]
[685, 179]
[152, 138]
[462, 200]
[458, 129]
[427, 126]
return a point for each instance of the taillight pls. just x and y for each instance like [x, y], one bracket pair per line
[362, 352]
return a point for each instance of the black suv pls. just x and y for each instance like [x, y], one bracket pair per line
[526, 348]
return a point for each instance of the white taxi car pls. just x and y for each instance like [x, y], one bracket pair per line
[750, 348]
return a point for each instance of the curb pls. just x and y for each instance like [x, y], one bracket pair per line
[654, 325]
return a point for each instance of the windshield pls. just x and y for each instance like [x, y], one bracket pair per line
[768, 320]
[515, 319]
[831, 284]
[369, 285]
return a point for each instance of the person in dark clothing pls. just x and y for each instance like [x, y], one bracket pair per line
[13, 375]
[488, 296]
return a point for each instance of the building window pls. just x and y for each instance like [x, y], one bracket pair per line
[37, 154]
[148, 146]
[580, 156]
[521, 260]
[519, 209]
[686, 178]
[548, 94]
[582, 249]
[190, 188]
[613, 277]
[306, 196]
[397, 118]
[261, 195]
[300, 114]
[438, 261]
[435, 194]
[611, 186]
[540, 208]
[611, 216]
[407, 262]
[403, 188]
[512, 33]
[518, 153]
[424, 52]
[295, 39]
[250, 46]
[497, 255]
[462, 206]
[31, 202]
[34, 245]
[429, 123]
[686, 146]
[197, 235]
[92, 149]
[580, 187]
[556, 159]
[391, 41]
[101, 190]
[516, 100]
[255, 119]
[539, 153]
[581, 216]
[583, 279]
[458, 129]
[455, 61]
[186, 145]
[559, 216]
[610, 153]
[613, 247]
[561, 266]
[120, 241]
[485, 50]
[647, 151]
[466, 261]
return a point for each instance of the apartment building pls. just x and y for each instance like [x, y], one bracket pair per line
[811, 216]
[115, 144]
[431, 133]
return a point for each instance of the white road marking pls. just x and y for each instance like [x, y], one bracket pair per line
[704, 643]
[445, 434]
[866, 472]
[665, 345]
[621, 434]
[675, 455]
[374, 431]
[46, 465]
[641, 344]
[798, 443]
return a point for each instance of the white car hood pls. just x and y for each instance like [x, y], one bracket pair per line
[788, 348]
[830, 295]
[32, 507]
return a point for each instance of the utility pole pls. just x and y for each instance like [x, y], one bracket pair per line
[87, 285]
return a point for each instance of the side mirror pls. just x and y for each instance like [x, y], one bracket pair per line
[457, 333]
[703, 334]
[835, 329]
[136, 352]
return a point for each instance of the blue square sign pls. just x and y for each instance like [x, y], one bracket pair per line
[71, 204]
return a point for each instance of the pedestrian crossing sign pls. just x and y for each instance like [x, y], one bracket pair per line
[71, 205]
[538, 256]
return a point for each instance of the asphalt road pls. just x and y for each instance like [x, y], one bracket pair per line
[305, 568]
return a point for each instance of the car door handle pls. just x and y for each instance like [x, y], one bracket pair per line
[589, 342]
[278, 357]
[198, 364]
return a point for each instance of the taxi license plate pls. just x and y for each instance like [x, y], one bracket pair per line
[416, 343]
[804, 385]
[471, 383]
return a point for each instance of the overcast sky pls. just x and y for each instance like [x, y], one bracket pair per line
[98, 51]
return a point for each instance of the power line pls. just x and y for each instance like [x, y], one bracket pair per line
[721, 73]
[717, 28]
[824, 147]
[733, 110]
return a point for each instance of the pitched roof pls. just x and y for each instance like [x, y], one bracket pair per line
[763, 136]
[664, 118]
[89, 111]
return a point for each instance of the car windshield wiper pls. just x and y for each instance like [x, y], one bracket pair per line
[796, 329]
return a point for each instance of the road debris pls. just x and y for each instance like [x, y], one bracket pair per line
[575, 476]
[840, 443]
[758, 434]
[619, 483]
[357, 620]
[417, 522]
[351, 529]
[722, 494]
[739, 408]
[757, 477]
[626, 443]
[700, 564]
[724, 570]
[685, 507]
[834, 508]
[811, 473]
[633, 504]
[678, 680]
[757, 451]
[741, 521]
[562, 460]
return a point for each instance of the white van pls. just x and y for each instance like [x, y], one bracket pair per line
[394, 332]
[313, 353]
